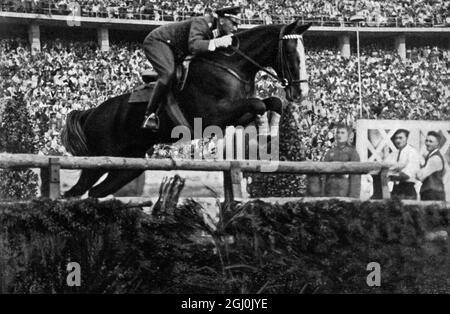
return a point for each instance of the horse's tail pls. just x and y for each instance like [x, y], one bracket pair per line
[72, 135]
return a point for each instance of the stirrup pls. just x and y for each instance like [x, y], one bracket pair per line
[151, 122]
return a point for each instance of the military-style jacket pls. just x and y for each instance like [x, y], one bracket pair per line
[342, 185]
[187, 37]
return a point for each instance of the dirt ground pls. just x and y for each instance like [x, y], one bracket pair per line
[195, 186]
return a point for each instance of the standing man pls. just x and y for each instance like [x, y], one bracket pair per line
[167, 45]
[432, 172]
[341, 184]
[406, 165]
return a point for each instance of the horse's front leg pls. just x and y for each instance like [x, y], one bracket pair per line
[275, 108]
[254, 110]
[258, 112]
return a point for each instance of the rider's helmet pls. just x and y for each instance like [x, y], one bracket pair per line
[229, 19]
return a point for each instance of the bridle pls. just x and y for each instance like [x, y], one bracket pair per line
[286, 77]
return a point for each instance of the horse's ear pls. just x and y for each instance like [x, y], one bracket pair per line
[301, 28]
[297, 28]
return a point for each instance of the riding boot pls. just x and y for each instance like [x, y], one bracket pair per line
[151, 118]
[274, 123]
[263, 124]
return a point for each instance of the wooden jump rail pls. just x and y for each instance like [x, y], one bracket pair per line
[50, 169]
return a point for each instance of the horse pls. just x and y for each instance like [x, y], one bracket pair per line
[219, 89]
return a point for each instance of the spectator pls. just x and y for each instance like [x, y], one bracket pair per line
[341, 184]
[432, 172]
[407, 164]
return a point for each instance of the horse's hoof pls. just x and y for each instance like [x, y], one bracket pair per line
[69, 195]
[97, 194]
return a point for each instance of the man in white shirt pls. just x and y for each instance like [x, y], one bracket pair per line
[406, 165]
[432, 172]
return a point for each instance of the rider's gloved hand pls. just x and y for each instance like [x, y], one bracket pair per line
[224, 41]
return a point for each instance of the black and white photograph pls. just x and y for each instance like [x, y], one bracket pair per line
[224, 152]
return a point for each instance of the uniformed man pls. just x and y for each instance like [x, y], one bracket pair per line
[341, 184]
[167, 45]
[406, 165]
[432, 172]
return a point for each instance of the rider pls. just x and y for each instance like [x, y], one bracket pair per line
[169, 44]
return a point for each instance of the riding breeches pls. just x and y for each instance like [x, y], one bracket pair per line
[161, 57]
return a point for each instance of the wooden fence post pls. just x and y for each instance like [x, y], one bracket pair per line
[377, 187]
[50, 177]
[385, 194]
[232, 182]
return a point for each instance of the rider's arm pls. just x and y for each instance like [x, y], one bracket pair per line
[198, 37]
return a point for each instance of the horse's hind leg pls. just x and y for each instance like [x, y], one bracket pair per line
[113, 182]
[87, 179]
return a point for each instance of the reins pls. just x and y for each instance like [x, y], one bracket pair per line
[226, 69]
[260, 67]
[286, 74]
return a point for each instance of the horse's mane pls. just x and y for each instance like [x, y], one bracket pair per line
[253, 41]
[253, 35]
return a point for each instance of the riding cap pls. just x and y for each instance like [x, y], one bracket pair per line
[232, 13]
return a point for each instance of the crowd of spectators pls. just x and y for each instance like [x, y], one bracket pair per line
[417, 88]
[66, 76]
[324, 12]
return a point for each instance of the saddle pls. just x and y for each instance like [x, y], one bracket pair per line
[171, 105]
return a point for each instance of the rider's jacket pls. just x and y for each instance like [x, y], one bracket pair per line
[187, 37]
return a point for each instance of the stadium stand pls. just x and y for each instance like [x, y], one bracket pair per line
[65, 76]
[384, 13]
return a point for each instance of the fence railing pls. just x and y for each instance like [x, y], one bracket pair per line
[162, 16]
[232, 169]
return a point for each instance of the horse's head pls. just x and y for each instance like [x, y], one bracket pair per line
[290, 64]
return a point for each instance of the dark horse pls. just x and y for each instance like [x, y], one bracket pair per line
[219, 90]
